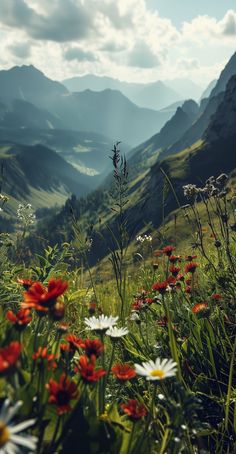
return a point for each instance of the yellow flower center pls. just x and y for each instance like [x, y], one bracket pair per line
[4, 434]
[157, 373]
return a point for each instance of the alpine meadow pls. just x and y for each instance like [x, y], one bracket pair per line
[117, 227]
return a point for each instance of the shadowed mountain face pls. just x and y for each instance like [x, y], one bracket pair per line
[226, 74]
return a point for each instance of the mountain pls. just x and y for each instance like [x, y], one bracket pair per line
[186, 87]
[107, 112]
[226, 74]
[38, 175]
[156, 95]
[206, 93]
[146, 154]
[19, 114]
[211, 157]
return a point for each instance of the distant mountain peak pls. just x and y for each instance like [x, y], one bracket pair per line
[228, 71]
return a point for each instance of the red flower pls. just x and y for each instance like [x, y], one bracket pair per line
[216, 296]
[41, 298]
[190, 258]
[188, 289]
[163, 322]
[92, 307]
[21, 319]
[87, 370]
[9, 356]
[93, 348]
[174, 258]
[160, 287]
[43, 356]
[26, 283]
[174, 270]
[199, 307]
[62, 393]
[134, 409]
[180, 277]
[168, 250]
[123, 372]
[137, 305]
[74, 342]
[191, 267]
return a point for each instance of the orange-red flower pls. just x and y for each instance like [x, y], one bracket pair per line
[160, 286]
[21, 319]
[134, 409]
[191, 267]
[9, 356]
[174, 270]
[216, 296]
[93, 347]
[190, 258]
[42, 356]
[86, 368]
[42, 298]
[167, 250]
[123, 372]
[74, 342]
[199, 307]
[174, 258]
[62, 393]
[26, 283]
[92, 307]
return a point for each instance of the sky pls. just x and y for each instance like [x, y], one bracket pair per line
[132, 40]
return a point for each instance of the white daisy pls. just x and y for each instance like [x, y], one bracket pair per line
[115, 332]
[12, 440]
[102, 323]
[157, 370]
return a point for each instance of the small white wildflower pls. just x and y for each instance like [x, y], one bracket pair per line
[116, 333]
[101, 323]
[157, 370]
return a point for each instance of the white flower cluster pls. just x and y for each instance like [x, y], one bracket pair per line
[25, 214]
[105, 323]
[144, 238]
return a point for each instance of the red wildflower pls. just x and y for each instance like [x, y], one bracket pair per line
[180, 277]
[168, 250]
[190, 258]
[158, 253]
[199, 307]
[42, 356]
[9, 356]
[93, 347]
[26, 283]
[134, 409]
[163, 322]
[87, 370]
[57, 312]
[74, 342]
[174, 270]
[62, 393]
[160, 287]
[92, 307]
[188, 289]
[216, 296]
[137, 305]
[174, 258]
[21, 319]
[123, 372]
[191, 267]
[41, 298]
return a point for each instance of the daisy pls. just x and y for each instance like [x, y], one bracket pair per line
[12, 440]
[115, 332]
[157, 370]
[102, 323]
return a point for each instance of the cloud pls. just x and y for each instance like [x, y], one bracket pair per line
[113, 46]
[229, 23]
[188, 64]
[62, 20]
[142, 56]
[20, 50]
[76, 53]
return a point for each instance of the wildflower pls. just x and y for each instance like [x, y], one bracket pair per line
[123, 372]
[9, 356]
[188, 289]
[25, 214]
[163, 322]
[26, 283]
[60, 394]
[216, 296]
[167, 250]
[160, 287]
[20, 320]
[12, 437]
[101, 323]
[74, 342]
[190, 258]
[134, 409]
[41, 298]
[174, 258]
[92, 307]
[157, 370]
[134, 317]
[42, 356]
[200, 307]
[191, 267]
[93, 347]
[57, 312]
[62, 328]
[155, 266]
[87, 370]
[174, 270]
[116, 333]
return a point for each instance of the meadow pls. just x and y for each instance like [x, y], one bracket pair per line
[135, 355]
